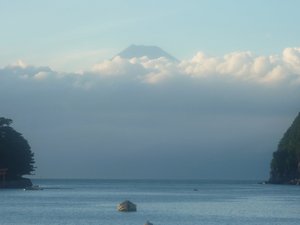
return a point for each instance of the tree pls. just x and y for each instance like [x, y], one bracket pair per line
[285, 165]
[15, 153]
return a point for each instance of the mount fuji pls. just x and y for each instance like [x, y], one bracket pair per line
[152, 52]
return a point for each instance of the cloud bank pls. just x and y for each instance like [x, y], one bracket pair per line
[235, 66]
[244, 66]
[248, 67]
[190, 119]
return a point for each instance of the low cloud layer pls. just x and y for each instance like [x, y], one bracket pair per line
[235, 66]
[244, 66]
[248, 67]
[190, 119]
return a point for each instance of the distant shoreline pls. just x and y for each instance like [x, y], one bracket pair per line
[16, 184]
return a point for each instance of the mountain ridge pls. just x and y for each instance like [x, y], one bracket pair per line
[151, 51]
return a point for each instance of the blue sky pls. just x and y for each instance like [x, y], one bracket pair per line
[70, 35]
[218, 113]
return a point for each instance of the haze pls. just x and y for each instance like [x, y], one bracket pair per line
[218, 112]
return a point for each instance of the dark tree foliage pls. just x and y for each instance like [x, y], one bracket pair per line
[15, 152]
[285, 165]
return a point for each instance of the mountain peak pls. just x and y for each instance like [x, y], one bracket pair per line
[152, 52]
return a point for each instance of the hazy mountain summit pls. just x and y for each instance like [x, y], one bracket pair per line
[152, 52]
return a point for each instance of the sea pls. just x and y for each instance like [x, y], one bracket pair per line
[161, 202]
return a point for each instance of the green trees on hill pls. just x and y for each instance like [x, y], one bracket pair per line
[285, 165]
[15, 153]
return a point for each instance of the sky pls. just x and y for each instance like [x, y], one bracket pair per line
[68, 35]
[218, 113]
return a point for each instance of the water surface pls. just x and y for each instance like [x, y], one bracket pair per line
[93, 202]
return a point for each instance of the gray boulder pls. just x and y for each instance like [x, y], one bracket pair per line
[126, 206]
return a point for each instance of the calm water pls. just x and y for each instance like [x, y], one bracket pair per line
[81, 202]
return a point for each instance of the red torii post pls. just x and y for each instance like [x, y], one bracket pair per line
[3, 173]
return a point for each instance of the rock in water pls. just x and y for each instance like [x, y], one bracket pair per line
[148, 223]
[126, 206]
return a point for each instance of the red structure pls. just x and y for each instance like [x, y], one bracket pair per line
[3, 173]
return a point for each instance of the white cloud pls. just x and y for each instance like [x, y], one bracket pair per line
[291, 56]
[118, 67]
[142, 69]
[241, 66]
[237, 66]
[246, 66]
[40, 75]
[21, 71]
[20, 64]
[276, 74]
[158, 70]
[200, 65]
